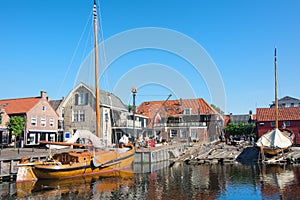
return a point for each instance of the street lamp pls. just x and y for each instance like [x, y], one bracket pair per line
[134, 91]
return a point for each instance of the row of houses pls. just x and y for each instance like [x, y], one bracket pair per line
[58, 120]
[264, 119]
[182, 119]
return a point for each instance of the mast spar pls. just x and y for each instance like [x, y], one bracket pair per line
[276, 90]
[97, 103]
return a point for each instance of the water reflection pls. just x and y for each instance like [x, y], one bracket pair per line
[229, 181]
[280, 182]
[91, 187]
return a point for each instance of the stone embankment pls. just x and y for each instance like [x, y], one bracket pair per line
[243, 152]
[213, 154]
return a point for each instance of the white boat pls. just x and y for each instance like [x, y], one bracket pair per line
[276, 140]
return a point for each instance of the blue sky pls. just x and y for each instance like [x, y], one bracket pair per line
[43, 44]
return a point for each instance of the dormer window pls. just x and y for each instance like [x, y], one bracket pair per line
[187, 111]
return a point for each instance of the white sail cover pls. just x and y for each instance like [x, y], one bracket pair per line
[97, 142]
[275, 138]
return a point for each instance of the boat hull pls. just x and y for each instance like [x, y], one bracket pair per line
[274, 151]
[101, 163]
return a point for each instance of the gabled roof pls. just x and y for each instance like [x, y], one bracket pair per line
[107, 99]
[18, 106]
[288, 98]
[176, 107]
[55, 103]
[284, 114]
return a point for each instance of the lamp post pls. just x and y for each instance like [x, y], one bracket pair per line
[134, 91]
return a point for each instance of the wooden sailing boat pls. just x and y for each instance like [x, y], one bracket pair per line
[276, 140]
[80, 163]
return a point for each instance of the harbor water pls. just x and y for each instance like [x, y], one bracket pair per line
[161, 181]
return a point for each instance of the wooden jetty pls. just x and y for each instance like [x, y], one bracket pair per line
[10, 157]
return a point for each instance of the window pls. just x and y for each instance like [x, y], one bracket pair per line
[272, 124]
[287, 105]
[287, 123]
[283, 105]
[60, 124]
[81, 99]
[173, 133]
[43, 121]
[51, 122]
[292, 105]
[52, 137]
[75, 116]
[187, 111]
[44, 108]
[33, 121]
[81, 115]
[76, 99]
[78, 116]
[31, 139]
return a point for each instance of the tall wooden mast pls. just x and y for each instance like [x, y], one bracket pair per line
[276, 91]
[97, 103]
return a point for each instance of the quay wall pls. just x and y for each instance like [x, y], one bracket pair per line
[158, 154]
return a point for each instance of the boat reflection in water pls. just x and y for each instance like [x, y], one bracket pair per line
[181, 181]
[276, 179]
[77, 187]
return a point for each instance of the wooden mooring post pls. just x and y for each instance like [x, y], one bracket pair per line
[8, 170]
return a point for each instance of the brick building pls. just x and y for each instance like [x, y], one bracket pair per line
[182, 119]
[41, 118]
[287, 117]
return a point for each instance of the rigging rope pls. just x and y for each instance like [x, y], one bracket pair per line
[74, 55]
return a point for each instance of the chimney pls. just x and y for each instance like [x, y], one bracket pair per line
[43, 95]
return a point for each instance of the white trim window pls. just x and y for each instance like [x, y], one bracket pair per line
[51, 122]
[81, 115]
[43, 121]
[75, 116]
[78, 115]
[33, 121]
[187, 111]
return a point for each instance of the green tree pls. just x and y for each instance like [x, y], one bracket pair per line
[16, 125]
[247, 129]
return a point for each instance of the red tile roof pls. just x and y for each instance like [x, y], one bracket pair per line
[268, 114]
[174, 107]
[17, 106]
